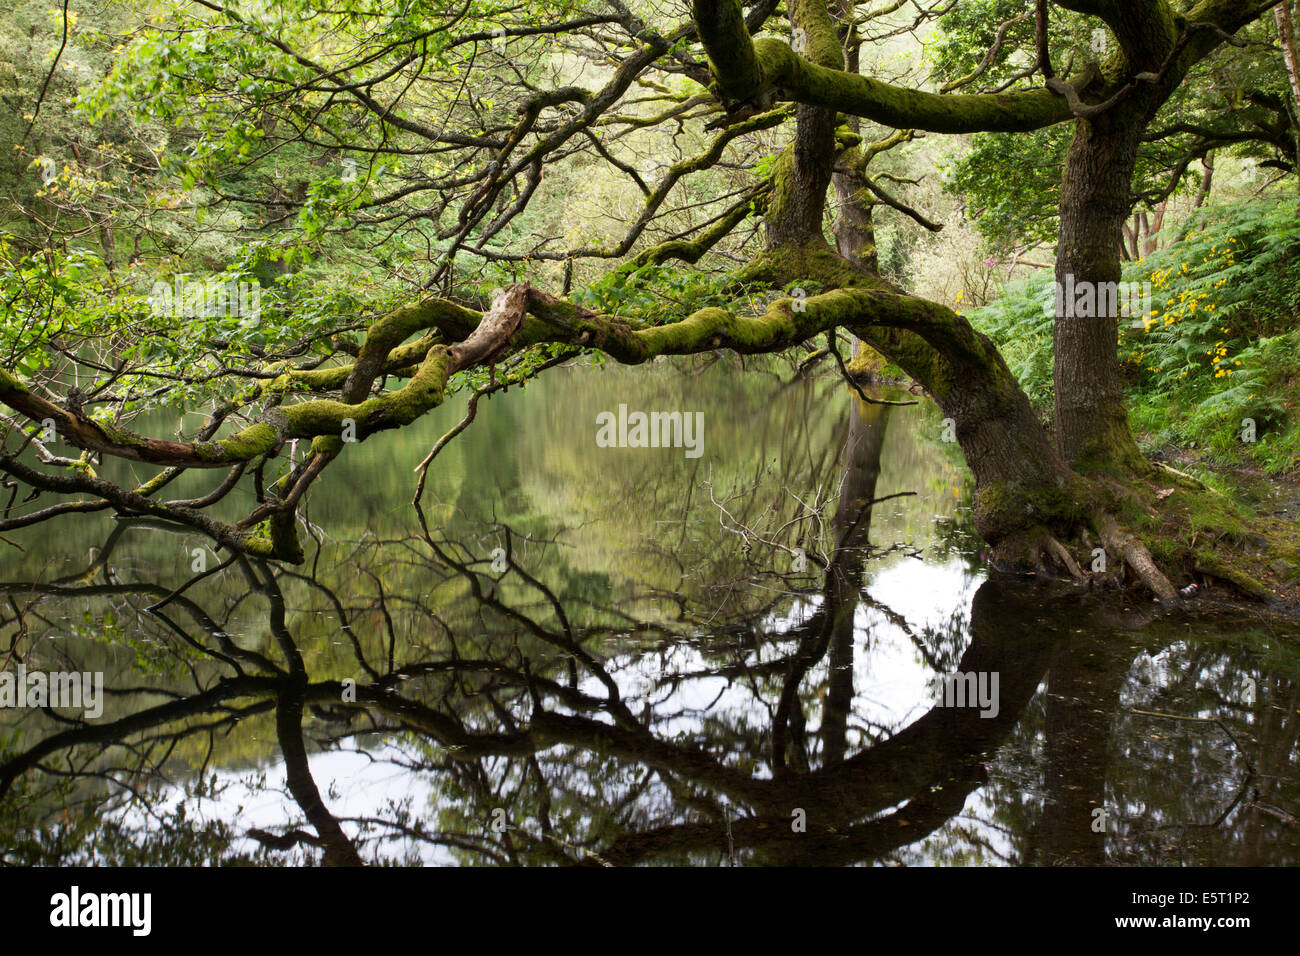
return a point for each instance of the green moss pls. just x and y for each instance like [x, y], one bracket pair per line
[1209, 563]
[867, 363]
[120, 436]
[997, 499]
[847, 139]
[1008, 507]
[258, 439]
[275, 538]
[259, 546]
[816, 85]
[823, 47]
[422, 392]
[327, 444]
[284, 537]
[325, 417]
[786, 322]
[153, 484]
[732, 62]
[320, 379]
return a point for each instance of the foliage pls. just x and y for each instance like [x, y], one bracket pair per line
[652, 293]
[1219, 345]
[1236, 103]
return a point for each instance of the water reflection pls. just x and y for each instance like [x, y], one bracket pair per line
[727, 662]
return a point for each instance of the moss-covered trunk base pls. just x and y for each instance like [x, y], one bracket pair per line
[1164, 534]
[1127, 523]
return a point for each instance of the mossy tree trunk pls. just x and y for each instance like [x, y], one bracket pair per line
[1029, 503]
[1090, 413]
[855, 229]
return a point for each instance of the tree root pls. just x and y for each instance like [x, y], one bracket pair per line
[1063, 555]
[1186, 480]
[1136, 556]
[1042, 552]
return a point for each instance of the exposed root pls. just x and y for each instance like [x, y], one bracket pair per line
[1212, 568]
[1041, 552]
[1136, 556]
[1063, 555]
[1186, 480]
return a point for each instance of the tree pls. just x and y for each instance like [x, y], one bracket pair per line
[331, 144]
[1236, 101]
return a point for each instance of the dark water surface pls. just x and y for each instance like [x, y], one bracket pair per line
[630, 656]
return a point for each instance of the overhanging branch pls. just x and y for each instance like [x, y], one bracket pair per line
[747, 71]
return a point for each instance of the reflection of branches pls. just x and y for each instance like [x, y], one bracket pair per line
[529, 713]
[809, 512]
[1250, 766]
[471, 410]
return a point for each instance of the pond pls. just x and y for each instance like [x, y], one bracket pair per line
[781, 645]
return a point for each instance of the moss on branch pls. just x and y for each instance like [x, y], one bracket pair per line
[747, 70]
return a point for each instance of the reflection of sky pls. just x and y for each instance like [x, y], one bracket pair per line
[352, 784]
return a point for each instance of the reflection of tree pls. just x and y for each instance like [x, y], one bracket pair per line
[554, 725]
[1083, 691]
[1231, 729]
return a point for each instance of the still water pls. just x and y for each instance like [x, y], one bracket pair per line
[584, 655]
